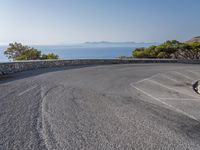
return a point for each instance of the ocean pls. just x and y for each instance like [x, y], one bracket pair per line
[81, 52]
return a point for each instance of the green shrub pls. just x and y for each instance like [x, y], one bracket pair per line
[17, 51]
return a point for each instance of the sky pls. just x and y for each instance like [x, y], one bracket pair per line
[77, 21]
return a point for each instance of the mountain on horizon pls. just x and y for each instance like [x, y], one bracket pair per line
[124, 43]
[117, 44]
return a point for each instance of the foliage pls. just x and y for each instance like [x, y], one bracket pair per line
[125, 57]
[29, 54]
[17, 51]
[170, 49]
[49, 56]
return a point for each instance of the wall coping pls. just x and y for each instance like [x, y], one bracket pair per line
[81, 59]
[18, 66]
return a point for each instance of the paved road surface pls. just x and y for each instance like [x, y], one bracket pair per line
[138, 106]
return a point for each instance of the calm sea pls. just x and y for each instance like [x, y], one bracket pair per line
[80, 52]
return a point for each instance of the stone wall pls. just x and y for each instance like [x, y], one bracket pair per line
[13, 67]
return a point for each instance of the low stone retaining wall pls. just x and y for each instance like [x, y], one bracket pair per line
[13, 67]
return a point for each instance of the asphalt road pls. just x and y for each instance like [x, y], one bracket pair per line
[137, 106]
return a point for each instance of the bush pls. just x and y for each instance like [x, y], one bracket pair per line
[170, 49]
[139, 53]
[29, 54]
[49, 56]
[17, 51]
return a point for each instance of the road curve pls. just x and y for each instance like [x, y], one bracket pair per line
[110, 107]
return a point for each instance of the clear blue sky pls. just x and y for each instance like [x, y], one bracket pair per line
[74, 21]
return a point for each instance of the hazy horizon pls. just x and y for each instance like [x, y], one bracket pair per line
[51, 22]
[86, 51]
[86, 43]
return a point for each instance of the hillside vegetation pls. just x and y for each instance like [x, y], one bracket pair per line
[170, 50]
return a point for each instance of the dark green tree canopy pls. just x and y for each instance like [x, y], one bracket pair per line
[17, 51]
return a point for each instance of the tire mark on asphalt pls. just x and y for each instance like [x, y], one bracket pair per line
[170, 88]
[164, 75]
[192, 71]
[180, 99]
[46, 131]
[31, 88]
[185, 76]
[164, 103]
[7, 95]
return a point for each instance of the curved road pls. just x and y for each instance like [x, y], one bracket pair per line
[137, 106]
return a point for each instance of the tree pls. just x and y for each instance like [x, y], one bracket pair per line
[168, 49]
[17, 51]
[145, 52]
[29, 54]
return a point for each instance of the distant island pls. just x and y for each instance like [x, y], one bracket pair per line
[119, 43]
